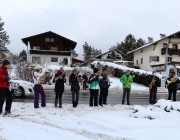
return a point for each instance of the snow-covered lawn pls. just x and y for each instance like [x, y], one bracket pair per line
[84, 123]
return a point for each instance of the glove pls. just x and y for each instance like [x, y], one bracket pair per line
[60, 77]
[7, 79]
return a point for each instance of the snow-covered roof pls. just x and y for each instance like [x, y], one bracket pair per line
[153, 43]
[110, 51]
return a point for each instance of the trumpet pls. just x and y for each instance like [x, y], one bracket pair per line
[172, 80]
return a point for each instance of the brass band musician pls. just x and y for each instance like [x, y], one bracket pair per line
[172, 82]
[153, 82]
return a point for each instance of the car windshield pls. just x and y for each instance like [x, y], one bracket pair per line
[13, 78]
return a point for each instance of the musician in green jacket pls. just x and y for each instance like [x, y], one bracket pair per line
[126, 81]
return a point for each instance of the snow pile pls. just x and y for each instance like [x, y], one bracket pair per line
[124, 68]
[157, 111]
[85, 123]
[168, 105]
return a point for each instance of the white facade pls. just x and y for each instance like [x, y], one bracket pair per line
[50, 59]
[146, 57]
[119, 56]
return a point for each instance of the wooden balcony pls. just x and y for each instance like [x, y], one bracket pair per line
[170, 51]
[49, 52]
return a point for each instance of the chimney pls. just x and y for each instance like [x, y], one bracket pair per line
[162, 35]
[150, 40]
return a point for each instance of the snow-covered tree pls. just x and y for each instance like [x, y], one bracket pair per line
[4, 38]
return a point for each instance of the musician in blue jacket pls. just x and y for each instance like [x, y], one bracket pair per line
[103, 83]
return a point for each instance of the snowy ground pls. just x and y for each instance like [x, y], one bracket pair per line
[97, 123]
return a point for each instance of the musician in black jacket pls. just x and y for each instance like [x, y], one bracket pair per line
[172, 86]
[153, 82]
[73, 80]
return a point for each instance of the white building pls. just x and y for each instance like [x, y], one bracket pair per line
[107, 55]
[152, 55]
[50, 47]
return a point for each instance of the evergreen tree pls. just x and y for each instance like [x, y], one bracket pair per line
[90, 52]
[87, 51]
[23, 55]
[4, 38]
[130, 43]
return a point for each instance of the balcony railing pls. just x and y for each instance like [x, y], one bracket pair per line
[49, 52]
[170, 51]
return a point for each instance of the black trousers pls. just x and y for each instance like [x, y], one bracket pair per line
[152, 96]
[103, 96]
[170, 94]
[84, 85]
[5, 93]
[126, 91]
[59, 94]
[93, 97]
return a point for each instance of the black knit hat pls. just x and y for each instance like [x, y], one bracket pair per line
[6, 62]
[95, 70]
[173, 72]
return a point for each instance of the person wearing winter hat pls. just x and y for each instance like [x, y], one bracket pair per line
[94, 87]
[59, 80]
[172, 86]
[153, 82]
[126, 81]
[4, 88]
[73, 80]
[38, 89]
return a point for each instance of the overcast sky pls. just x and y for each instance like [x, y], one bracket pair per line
[102, 23]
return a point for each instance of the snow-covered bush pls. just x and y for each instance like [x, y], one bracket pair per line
[141, 76]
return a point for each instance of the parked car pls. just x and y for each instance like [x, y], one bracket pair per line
[165, 78]
[20, 87]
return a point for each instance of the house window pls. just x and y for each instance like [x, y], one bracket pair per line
[141, 60]
[169, 59]
[164, 45]
[175, 46]
[36, 47]
[136, 62]
[154, 58]
[141, 50]
[51, 39]
[47, 39]
[54, 59]
[53, 48]
[35, 59]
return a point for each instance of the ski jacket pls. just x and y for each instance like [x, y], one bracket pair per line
[124, 79]
[74, 82]
[59, 79]
[94, 82]
[103, 83]
[36, 75]
[172, 86]
[156, 83]
[3, 73]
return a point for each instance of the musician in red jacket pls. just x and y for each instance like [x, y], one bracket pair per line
[4, 88]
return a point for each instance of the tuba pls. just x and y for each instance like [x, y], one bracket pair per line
[172, 80]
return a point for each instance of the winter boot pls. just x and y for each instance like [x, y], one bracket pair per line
[7, 112]
[60, 102]
[128, 103]
[122, 102]
[74, 104]
[55, 104]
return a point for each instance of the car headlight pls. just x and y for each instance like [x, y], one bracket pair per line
[28, 84]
